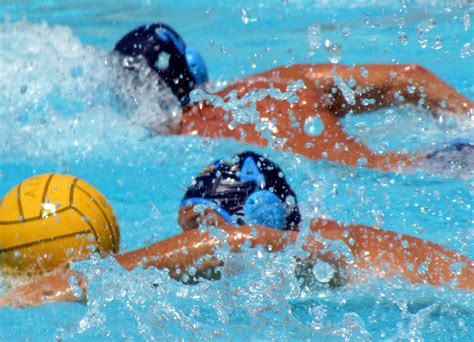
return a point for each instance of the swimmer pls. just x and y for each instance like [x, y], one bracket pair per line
[373, 86]
[250, 201]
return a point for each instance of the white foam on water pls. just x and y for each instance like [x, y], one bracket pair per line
[60, 97]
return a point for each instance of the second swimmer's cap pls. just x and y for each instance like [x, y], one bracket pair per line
[251, 190]
[181, 67]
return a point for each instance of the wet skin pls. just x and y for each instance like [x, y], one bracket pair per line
[378, 86]
[375, 252]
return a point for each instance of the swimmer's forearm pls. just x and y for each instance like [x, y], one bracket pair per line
[381, 85]
[389, 253]
[58, 286]
[195, 248]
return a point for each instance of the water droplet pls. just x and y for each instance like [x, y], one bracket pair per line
[426, 26]
[313, 126]
[323, 271]
[163, 61]
[403, 38]
[423, 42]
[362, 162]
[74, 285]
[374, 39]
[361, 127]
[466, 51]
[368, 102]
[401, 23]
[351, 83]
[346, 31]
[399, 97]
[466, 21]
[334, 51]
[247, 16]
[314, 36]
[290, 201]
[423, 268]
[438, 43]
[347, 92]
[192, 271]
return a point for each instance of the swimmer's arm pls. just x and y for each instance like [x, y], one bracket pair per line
[197, 249]
[388, 253]
[176, 254]
[58, 286]
[380, 85]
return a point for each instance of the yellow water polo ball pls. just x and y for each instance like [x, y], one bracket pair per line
[51, 219]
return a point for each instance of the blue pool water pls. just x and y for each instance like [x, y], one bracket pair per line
[65, 108]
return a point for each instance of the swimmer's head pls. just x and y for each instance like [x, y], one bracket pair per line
[249, 190]
[181, 67]
[449, 148]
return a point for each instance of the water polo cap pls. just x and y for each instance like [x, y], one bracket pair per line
[453, 145]
[181, 67]
[250, 190]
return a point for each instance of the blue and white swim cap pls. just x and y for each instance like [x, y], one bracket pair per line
[181, 67]
[250, 190]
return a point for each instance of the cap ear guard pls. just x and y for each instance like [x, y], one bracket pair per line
[197, 65]
[194, 60]
[264, 208]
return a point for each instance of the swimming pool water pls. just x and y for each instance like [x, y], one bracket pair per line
[65, 107]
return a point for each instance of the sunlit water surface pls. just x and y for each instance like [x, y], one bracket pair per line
[66, 106]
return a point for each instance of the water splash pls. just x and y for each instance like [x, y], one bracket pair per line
[314, 36]
[244, 108]
[59, 85]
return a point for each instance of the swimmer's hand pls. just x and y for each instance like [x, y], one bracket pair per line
[385, 253]
[57, 286]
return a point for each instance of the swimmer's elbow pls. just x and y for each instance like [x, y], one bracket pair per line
[415, 69]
